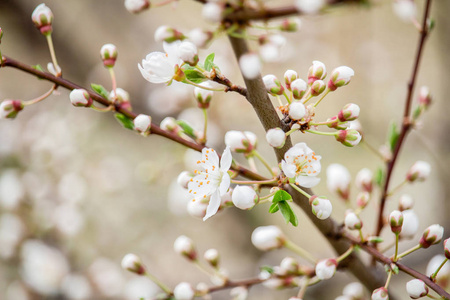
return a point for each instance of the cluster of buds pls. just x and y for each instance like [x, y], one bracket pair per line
[10, 108]
[42, 17]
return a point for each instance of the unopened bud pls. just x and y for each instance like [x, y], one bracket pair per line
[380, 294]
[184, 178]
[364, 180]
[241, 141]
[142, 124]
[340, 76]
[352, 221]
[212, 12]
[298, 88]
[321, 207]
[405, 202]
[396, 221]
[80, 97]
[203, 96]
[184, 291]
[133, 263]
[338, 180]
[250, 65]
[317, 71]
[197, 208]
[335, 123]
[273, 85]
[268, 237]
[318, 87]
[169, 124]
[410, 224]
[348, 137]
[55, 71]
[432, 235]
[200, 37]
[419, 171]
[212, 257]
[326, 268]
[188, 53]
[416, 289]
[354, 290]
[350, 112]
[244, 197]
[137, 6]
[108, 53]
[289, 265]
[167, 34]
[185, 246]
[297, 110]
[42, 18]
[276, 137]
[10, 108]
[289, 77]
[239, 293]
[290, 25]
[362, 199]
[121, 97]
[447, 248]
[424, 97]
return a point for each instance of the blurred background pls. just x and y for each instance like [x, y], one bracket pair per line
[78, 191]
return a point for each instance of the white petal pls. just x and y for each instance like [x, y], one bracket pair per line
[288, 169]
[172, 51]
[213, 206]
[225, 162]
[224, 184]
[307, 181]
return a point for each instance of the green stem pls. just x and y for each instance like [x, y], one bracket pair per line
[158, 283]
[254, 182]
[433, 297]
[291, 131]
[397, 188]
[417, 247]
[301, 292]
[321, 98]
[345, 254]
[361, 236]
[263, 161]
[113, 80]
[300, 190]
[202, 268]
[279, 100]
[388, 280]
[40, 98]
[266, 197]
[433, 276]
[105, 109]
[321, 132]
[205, 114]
[52, 51]
[251, 162]
[300, 251]
[307, 98]
[287, 97]
[202, 87]
[396, 246]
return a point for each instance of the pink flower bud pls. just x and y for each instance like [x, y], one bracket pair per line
[419, 171]
[142, 124]
[380, 294]
[318, 87]
[137, 6]
[133, 263]
[289, 77]
[244, 197]
[290, 25]
[187, 51]
[317, 71]
[338, 180]
[80, 97]
[241, 142]
[184, 291]
[10, 108]
[276, 137]
[167, 34]
[297, 110]
[340, 76]
[348, 137]
[200, 37]
[396, 221]
[424, 97]
[352, 221]
[416, 289]
[273, 85]
[362, 199]
[212, 257]
[405, 202]
[326, 268]
[350, 112]
[42, 18]
[108, 53]
[432, 235]
[447, 248]
[268, 237]
[203, 96]
[321, 207]
[185, 246]
[298, 88]
[364, 180]
[250, 65]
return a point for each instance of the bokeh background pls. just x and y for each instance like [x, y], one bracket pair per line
[78, 192]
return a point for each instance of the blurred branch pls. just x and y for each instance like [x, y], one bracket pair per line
[406, 124]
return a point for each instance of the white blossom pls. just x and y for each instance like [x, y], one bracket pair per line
[142, 124]
[380, 294]
[301, 163]
[364, 180]
[131, 262]
[309, 6]
[250, 65]
[297, 110]
[185, 246]
[199, 37]
[188, 53]
[268, 237]
[244, 197]
[410, 224]
[405, 202]
[406, 10]
[416, 288]
[212, 12]
[183, 291]
[419, 171]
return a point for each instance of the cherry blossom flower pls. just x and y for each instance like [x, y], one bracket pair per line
[301, 163]
[214, 181]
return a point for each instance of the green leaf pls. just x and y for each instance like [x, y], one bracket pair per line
[99, 89]
[39, 68]
[294, 220]
[379, 177]
[281, 195]
[194, 75]
[125, 121]
[188, 130]
[273, 208]
[285, 211]
[393, 135]
[209, 62]
[267, 269]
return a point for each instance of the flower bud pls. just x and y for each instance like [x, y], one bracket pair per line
[142, 124]
[364, 180]
[55, 71]
[298, 88]
[133, 263]
[339, 77]
[396, 221]
[212, 257]
[352, 221]
[289, 77]
[318, 87]
[334, 122]
[297, 110]
[317, 71]
[354, 290]
[375, 239]
[432, 235]
[42, 18]
[185, 246]
[10, 108]
[405, 9]
[244, 197]
[203, 96]
[239, 293]
[80, 97]
[326, 268]
[362, 199]
[137, 6]
[1, 35]
[108, 53]
[291, 24]
[250, 65]
[444, 273]
[169, 124]
[348, 137]
[416, 289]
[321, 207]
[197, 208]
[220, 278]
[447, 248]
[338, 180]
[410, 224]
[405, 202]
[184, 291]
[380, 294]
[424, 97]
[276, 137]
[350, 112]
[212, 12]
[184, 178]
[167, 34]
[309, 6]
[419, 171]
[188, 53]
[289, 265]
[268, 237]
[200, 37]
[273, 85]
[241, 142]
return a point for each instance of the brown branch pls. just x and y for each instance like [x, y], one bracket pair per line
[155, 129]
[406, 125]
[232, 284]
[219, 78]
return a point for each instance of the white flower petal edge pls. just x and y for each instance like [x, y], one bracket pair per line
[301, 163]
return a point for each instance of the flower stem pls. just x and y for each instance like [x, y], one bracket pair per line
[105, 109]
[40, 98]
[254, 182]
[371, 149]
[345, 254]
[113, 80]
[417, 247]
[321, 98]
[287, 97]
[162, 3]
[266, 197]
[205, 114]
[321, 132]
[301, 292]
[202, 87]
[397, 188]
[291, 131]
[300, 190]
[158, 283]
[52, 52]
[388, 280]
[433, 276]
[279, 100]
[202, 268]
[396, 247]
[263, 161]
[251, 162]
[361, 236]
[300, 251]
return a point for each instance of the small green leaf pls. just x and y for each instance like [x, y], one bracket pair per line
[125, 121]
[379, 177]
[39, 68]
[393, 135]
[281, 195]
[194, 76]
[188, 130]
[209, 62]
[273, 208]
[99, 89]
[285, 211]
[294, 219]
[417, 112]
[267, 269]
